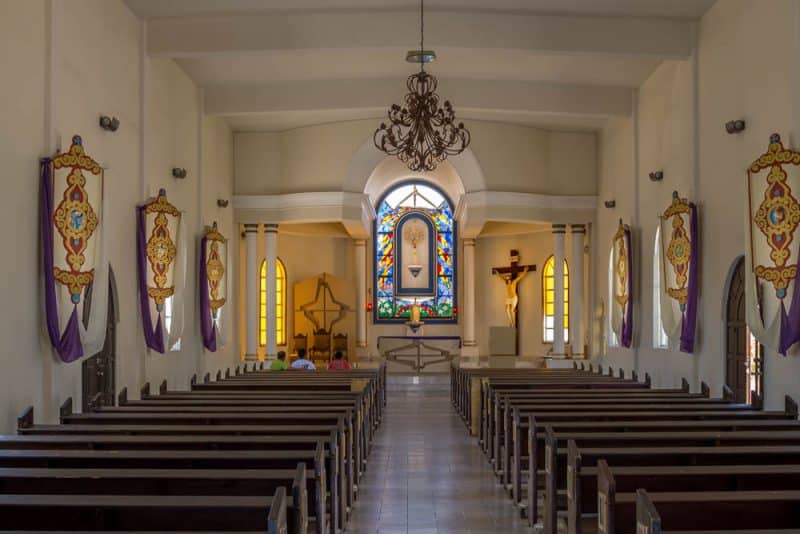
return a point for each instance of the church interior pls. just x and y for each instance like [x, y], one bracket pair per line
[382, 266]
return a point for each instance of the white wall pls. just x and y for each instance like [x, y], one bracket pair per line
[741, 44]
[512, 157]
[97, 70]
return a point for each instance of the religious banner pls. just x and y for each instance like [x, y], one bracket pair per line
[773, 299]
[213, 286]
[161, 266]
[622, 290]
[679, 271]
[71, 193]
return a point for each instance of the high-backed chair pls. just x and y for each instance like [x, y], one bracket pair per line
[340, 344]
[322, 345]
[300, 341]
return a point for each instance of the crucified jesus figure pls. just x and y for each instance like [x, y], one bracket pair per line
[512, 299]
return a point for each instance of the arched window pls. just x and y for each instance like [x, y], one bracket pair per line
[611, 336]
[549, 299]
[280, 304]
[415, 255]
[660, 339]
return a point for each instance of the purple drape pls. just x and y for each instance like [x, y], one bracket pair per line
[68, 346]
[627, 320]
[153, 337]
[790, 323]
[207, 329]
[689, 326]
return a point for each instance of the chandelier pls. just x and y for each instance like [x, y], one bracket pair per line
[421, 133]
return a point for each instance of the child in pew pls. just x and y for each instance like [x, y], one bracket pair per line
[302, 362]
[279, 364]
[339, 363]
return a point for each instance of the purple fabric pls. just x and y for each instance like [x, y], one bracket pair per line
[790, 323]
[627, 320]
[207, 329]
[68, 346]
[153, 337]
[689, 326]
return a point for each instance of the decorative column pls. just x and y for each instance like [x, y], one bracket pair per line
[251, 291]
[468, 313]
[576, 289]
[271, 257]
[360, 247]
[558, 258]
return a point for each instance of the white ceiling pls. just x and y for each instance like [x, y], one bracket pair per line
[689, 9]
[280, 64]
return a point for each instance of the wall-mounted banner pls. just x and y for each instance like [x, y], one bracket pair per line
[622, 291]
[679, 271]
[71, 210]
[161, 266]
[213, 286]
[773, 299]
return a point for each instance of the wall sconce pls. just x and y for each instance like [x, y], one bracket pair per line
[222, 203]
[610, 203]
[656, 176]
[734, 127]
[179, 172]
[109, 124]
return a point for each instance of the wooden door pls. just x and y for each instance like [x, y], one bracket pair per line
[737, 336]
[99, 370]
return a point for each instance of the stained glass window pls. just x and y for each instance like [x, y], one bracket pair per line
[549, 297]
[418, 200]
[280, 304]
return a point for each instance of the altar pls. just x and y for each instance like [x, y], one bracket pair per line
[419, 352]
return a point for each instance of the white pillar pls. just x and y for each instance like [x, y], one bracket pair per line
[251, 291]
[271, 257]
[468, 313]
[576, 289]
[360, 246]
[558, 257]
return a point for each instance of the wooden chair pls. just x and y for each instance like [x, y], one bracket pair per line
[299, 341]
[322, 345]
[340, 344]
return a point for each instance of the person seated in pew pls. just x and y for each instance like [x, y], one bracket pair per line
[339, 363]
[302, 362]
[279, 364]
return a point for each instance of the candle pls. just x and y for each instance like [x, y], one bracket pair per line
[415, 313]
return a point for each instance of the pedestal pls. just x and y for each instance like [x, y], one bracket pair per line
[502, 341]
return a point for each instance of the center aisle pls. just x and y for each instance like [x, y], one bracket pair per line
[425, 474]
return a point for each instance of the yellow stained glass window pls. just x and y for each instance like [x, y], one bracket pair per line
[280, 304]
[549, 298]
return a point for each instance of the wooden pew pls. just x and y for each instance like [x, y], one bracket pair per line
[171, 482]
[131, 513]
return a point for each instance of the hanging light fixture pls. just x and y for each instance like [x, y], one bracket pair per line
[422, 133]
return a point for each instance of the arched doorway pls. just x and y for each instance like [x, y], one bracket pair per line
[99, 370]
[744, 363]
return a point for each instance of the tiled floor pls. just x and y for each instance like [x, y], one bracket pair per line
[425, 475]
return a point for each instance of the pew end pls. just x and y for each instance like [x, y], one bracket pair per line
[599, 369]
[610, 371]
[193, 380]
[790, 406]
[575, 365]
[145, 391]
[582, 367]
[685, 385]
[591, 368]
[219, 375]
[532, 509]
[727, 393]
[276, 520]
[300, 499]
[705, 390]
[574, 511]
[647, 519]
[606, 496]
[228, 372]
[647, 380]
[756, 400]
[65, 409]
[550, 482]
[237, 371]
[634, 376]
[25, 420]
[163, 387]
[621, 372]
[122, 398]
[207, 378]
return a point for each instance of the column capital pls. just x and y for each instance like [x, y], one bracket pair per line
[250, 228]
[271, 228]
[469, 241]
[360, 242]
[559, 228]
[578, 228]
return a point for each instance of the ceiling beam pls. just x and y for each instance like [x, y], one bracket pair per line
[534, 97]
[181, 37]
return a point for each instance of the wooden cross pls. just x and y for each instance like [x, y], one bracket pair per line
[512, 273]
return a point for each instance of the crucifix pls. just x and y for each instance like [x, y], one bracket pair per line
[511, 277]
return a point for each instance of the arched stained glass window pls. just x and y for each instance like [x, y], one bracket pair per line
[280, 304]
[415, 255]
[549, 299]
